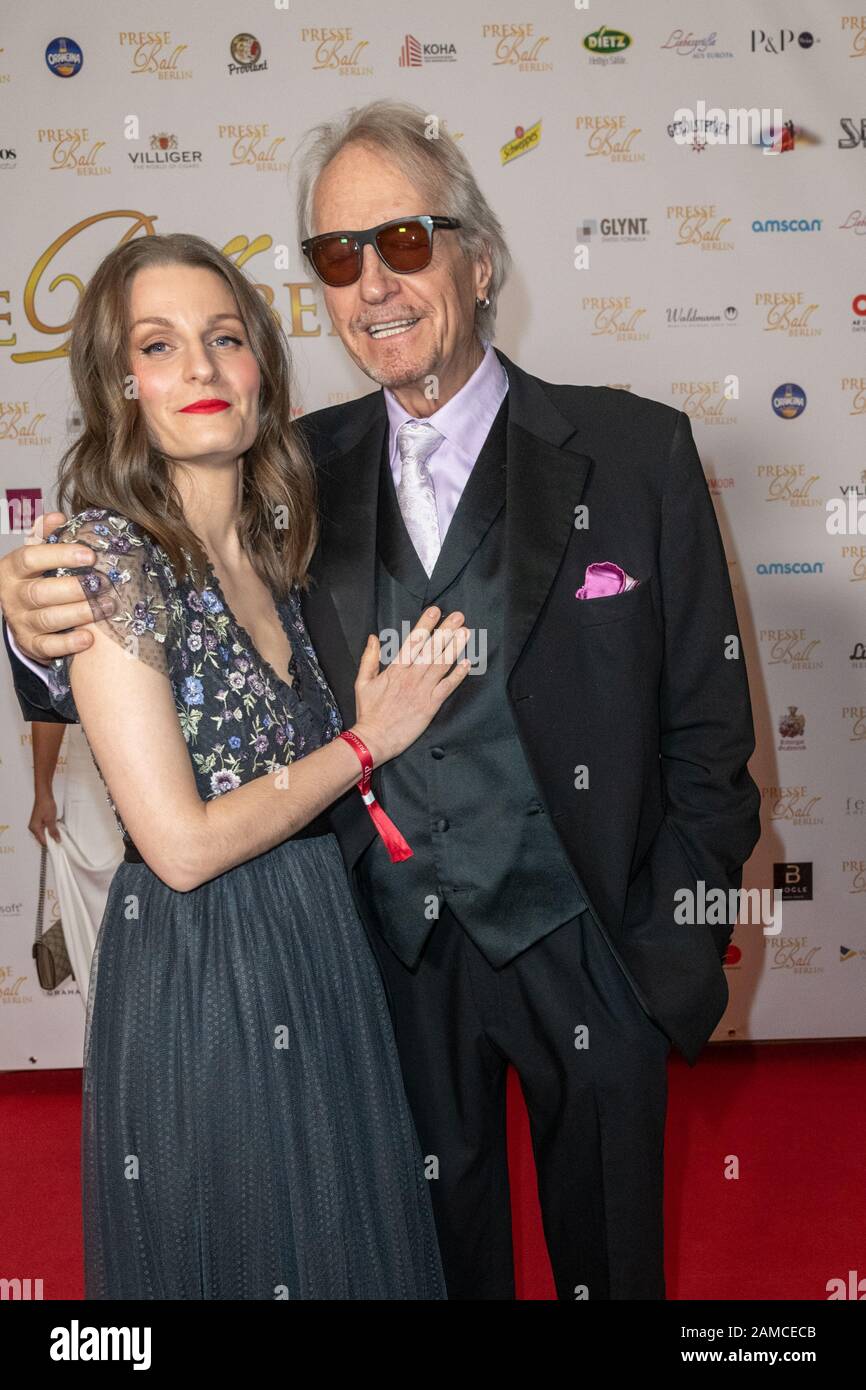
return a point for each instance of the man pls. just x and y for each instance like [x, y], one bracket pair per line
[594, 764]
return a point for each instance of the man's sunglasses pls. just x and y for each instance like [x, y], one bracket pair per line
[404, 245]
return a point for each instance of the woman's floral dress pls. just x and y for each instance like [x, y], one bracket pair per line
[246, 1134]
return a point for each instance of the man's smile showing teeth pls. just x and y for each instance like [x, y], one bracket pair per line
[387, 330]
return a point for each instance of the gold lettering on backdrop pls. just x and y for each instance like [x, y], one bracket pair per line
[139, 220]
[239, 248]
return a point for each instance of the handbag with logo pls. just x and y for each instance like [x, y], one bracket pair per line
[49, 948]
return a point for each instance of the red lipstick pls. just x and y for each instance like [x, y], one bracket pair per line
[206, 407]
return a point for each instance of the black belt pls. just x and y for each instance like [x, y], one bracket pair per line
[320, 826]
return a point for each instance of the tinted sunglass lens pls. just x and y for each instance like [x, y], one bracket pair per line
[337, 260]
[405, 246]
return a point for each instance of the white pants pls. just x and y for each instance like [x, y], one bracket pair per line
[87, 855]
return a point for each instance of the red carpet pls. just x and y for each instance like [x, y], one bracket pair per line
[791, 1114]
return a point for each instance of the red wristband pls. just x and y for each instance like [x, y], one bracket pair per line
[394, 842]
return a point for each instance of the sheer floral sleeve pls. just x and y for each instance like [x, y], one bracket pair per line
[127, 567]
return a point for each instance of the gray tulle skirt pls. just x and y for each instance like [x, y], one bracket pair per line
[246, 1134]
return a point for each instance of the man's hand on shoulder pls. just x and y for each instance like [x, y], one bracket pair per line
[36, 609]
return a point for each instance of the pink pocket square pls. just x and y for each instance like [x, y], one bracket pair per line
[603, 579]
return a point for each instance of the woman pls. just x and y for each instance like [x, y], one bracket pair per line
[82, 840]
[245, 1130]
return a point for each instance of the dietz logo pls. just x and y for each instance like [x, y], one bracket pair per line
[605, 40]
[64, 57]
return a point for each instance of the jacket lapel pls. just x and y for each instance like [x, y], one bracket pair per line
[545, 480]
[348, 496]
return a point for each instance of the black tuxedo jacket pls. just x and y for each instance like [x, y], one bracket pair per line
[633, 710]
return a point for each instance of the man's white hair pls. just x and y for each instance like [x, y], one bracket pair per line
[403, 132]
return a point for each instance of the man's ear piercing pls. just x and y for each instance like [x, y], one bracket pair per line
[483, 303]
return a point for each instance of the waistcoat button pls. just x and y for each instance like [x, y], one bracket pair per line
[437, 752]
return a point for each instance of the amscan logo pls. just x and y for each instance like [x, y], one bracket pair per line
[791, 567]
[787, 224]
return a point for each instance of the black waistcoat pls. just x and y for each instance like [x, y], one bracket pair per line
[462, 794]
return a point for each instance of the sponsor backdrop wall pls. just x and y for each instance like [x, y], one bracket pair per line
[655, 250]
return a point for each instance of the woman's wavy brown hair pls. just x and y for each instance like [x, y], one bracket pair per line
[114, 464]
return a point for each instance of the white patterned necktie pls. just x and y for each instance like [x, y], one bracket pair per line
[416, 440]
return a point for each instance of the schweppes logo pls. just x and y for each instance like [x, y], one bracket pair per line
[523, 142]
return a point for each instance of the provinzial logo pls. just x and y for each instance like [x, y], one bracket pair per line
[64, 57]
[787, 224]
[789, 401]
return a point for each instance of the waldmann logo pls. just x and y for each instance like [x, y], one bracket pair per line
[610, 137]
[246, 54]
[414, 53]
[688, 45]
[680, 317]
[606, 46]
